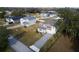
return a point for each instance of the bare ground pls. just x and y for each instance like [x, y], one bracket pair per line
[63, 44]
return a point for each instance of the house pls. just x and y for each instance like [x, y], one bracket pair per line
[8, 13]
[27, 21]
[46, 28]
[47, 14]
[57, 18]
[12, 19]
[9, 20]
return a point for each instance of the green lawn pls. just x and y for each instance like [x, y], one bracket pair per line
[2, 21]
[27, 35]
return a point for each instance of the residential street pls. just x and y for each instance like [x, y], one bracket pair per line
[17, 45]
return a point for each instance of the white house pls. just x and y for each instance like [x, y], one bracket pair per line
[9, 20]
[12, 19]
[47, 14]
[8, 13]
[57, 18]
[27, 21]
[46, 28]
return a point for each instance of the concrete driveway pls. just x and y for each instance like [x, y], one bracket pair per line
[17, 45]
[40, 43]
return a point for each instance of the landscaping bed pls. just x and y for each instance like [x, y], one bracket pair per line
[27, 35]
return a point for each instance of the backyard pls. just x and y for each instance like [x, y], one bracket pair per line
[27, 35]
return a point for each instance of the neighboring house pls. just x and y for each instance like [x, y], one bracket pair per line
[57, 18]
[47, 14]
[43, 15]
[46, 28]
[12, 19]
[8, 13]
[27, 21]
[9, 20]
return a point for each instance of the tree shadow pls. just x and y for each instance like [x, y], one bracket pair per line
[75, 46]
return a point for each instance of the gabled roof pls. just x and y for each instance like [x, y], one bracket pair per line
[45, 26]
[29, 17]
[14, 17]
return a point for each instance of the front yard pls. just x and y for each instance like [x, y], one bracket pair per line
[27, 35]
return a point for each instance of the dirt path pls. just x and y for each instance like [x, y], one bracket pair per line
[63, 44]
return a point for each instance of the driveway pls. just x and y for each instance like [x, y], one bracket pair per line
[40, 43]
[17, 45]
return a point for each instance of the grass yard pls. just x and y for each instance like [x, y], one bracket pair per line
[2, 21]
[27, 35]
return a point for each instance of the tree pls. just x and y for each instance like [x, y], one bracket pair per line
[3, 38]
[17, 12]
[2, 14]
[70, 25]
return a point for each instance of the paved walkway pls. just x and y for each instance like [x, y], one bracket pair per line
[17, 45]
[40, 43]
